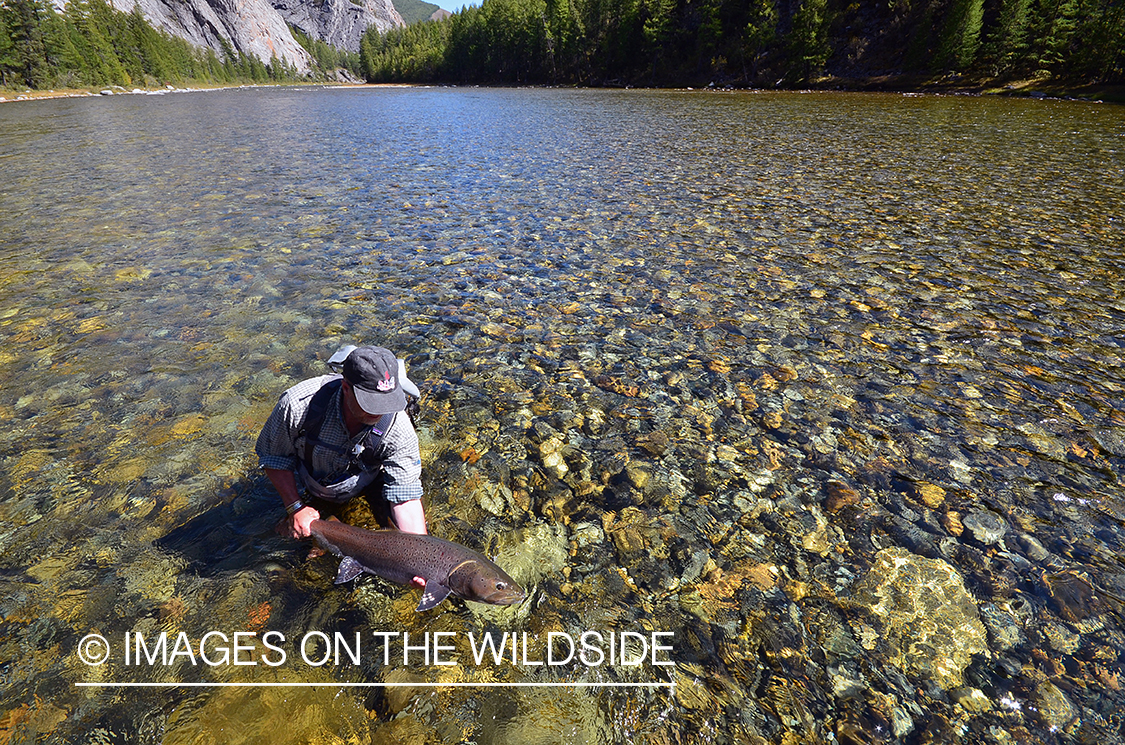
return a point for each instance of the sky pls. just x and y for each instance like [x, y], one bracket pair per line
[451, 5]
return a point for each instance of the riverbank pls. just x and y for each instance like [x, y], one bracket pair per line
[948, 85]
[968, 85]
[27, 94]
[11, 96]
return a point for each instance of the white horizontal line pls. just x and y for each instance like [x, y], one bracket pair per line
[577, 684]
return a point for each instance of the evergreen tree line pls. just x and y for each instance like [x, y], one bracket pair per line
[93, 44]
[754, 42]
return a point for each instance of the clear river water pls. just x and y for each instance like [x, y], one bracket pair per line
[800, 416]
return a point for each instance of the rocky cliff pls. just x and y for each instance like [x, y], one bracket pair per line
[260, 27]
[340, 23]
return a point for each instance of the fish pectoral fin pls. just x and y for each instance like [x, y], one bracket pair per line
[349, 570]
[432, 596]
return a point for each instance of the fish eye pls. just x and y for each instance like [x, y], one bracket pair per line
[501, 585]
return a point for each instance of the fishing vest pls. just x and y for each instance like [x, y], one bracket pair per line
[363, 465]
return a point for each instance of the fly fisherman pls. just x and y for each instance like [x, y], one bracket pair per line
[343, 436]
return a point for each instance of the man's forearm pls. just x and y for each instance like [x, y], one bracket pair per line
[285, 483]
[409, 516]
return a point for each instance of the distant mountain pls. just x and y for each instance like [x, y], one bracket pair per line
[413, 11]
[340, 23]
[261, 27]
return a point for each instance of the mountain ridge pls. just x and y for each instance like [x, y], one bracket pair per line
[261, 28]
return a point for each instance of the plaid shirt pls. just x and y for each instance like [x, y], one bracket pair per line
[281, 445]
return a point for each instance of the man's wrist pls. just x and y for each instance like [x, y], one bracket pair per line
[294, 507]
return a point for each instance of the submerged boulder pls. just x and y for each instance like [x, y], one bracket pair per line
[930, 622]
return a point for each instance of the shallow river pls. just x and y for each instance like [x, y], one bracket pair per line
[802, 417]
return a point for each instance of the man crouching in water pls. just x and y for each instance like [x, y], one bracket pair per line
[346, 436]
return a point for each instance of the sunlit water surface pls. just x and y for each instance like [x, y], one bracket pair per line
[692, 362]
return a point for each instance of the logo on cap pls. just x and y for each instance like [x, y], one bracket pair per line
[386, 385]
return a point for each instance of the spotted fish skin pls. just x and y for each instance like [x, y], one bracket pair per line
[448, 568]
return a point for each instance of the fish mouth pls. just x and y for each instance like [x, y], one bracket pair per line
[511, 596]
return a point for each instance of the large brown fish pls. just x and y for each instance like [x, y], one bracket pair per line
[400, 557]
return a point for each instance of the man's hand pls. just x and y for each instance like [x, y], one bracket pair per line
[297, 524]
[300, 521]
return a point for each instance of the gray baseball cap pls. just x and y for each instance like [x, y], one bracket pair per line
[374, 374]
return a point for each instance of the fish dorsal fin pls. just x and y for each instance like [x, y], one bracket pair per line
[349, 570]
[432, 596]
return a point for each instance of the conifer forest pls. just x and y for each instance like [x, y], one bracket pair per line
[741, 43]
[756, 42]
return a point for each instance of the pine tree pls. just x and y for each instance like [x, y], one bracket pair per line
[562, 32]
[1056, 24]
[1101, 56]
[960, 37]
[151, 50]
[670, 41]
[25, 20]
[1007, 42]
[708, 35]
[808, 39]
[9, 59]
[657, 30]
[92, 23]
[760, 31]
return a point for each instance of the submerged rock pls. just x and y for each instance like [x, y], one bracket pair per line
[1054, 708]
[986, 526]
[533, 553]
[930, 622]
[1072, 594]
[1003, 627]
[972, 700]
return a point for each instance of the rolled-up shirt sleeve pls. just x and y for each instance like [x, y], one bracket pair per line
[276, 446]
[402, 462]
